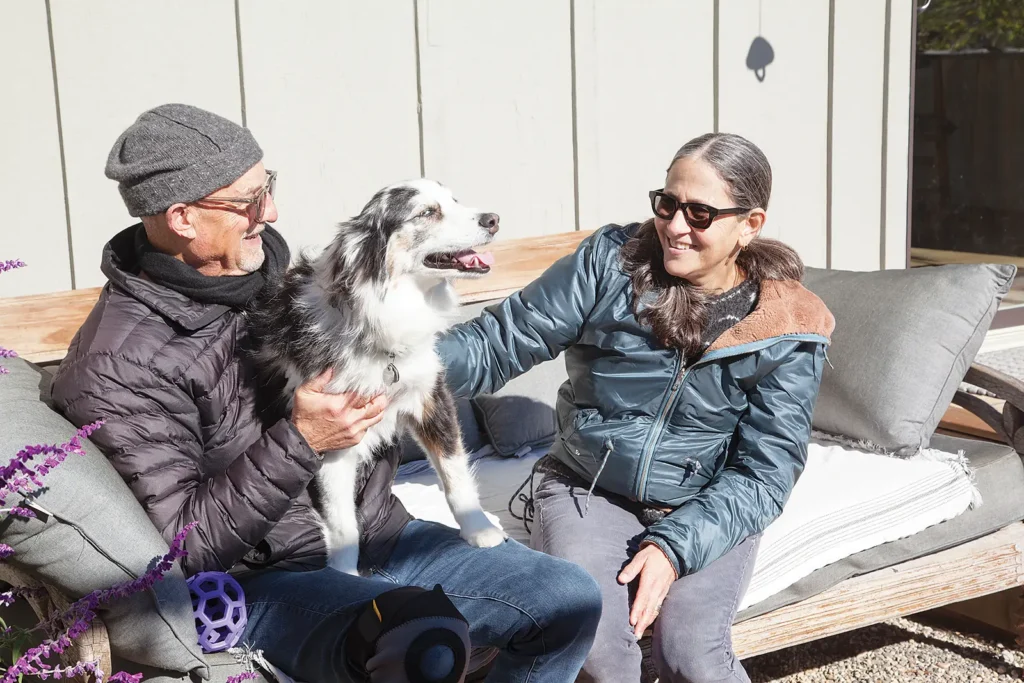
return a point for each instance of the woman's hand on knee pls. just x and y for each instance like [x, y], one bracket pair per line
[656, 576]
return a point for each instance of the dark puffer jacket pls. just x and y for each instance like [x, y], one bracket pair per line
[166, 375]
[720, 442]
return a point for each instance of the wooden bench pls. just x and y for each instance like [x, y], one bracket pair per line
[41, 327]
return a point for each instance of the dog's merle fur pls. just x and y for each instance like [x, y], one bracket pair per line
[377, 296]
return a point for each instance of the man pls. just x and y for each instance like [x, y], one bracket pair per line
[161, 360]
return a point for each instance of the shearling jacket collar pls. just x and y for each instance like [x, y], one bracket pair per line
[784, 307]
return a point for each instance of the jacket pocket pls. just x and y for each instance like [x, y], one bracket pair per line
[582, 417]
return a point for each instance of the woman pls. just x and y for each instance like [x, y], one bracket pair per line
[694, 358]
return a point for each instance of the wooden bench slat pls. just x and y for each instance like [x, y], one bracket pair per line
[40, 327]
[517, 263]
[983, 566]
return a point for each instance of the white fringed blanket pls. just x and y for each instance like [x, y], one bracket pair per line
[846, 501]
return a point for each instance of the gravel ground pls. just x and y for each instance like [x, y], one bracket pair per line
[897, 650]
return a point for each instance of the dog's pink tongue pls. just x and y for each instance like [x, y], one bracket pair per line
[474, 259]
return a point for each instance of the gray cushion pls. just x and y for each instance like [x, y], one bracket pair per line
[1000, 479]
[522, 413]
[95, 536]
[223, 665]
[903, 341]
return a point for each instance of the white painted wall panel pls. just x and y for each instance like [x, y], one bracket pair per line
[857, 123]
[786, 114]
[497, 113]
[115, 59]
[330, 93]
[901, 65]
[641, 92]
[34, 228]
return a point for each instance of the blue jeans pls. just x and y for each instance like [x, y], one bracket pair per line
[539, 611]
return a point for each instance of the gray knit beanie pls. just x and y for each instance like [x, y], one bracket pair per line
[178, 153]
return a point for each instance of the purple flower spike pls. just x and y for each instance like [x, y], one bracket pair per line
[11, 265]
[18, 476]
[7, 353]
[75, 621]
[244, 676]
[5, 551]
[124, 677]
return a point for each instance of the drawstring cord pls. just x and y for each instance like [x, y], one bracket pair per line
[529, 507]
[608, 448]
[527, 501]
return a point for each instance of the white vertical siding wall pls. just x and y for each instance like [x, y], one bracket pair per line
[786, 115]
[858, 77]
[330, 93]
[33, 227]
[497, 108]
[897, 131]
[645, 84]
[115, 59]
[557, 114]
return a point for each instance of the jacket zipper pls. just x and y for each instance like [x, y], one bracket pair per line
[646, 455]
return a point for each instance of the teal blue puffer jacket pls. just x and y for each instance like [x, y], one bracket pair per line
[721, 442]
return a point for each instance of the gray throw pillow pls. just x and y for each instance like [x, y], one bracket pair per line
[903, 341]
[513, 423]
[95, 536]
[522, 413]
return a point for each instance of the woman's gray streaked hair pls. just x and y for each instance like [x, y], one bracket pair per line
[738, 161]
[676, 310]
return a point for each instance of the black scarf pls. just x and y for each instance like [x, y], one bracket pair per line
[227, 290]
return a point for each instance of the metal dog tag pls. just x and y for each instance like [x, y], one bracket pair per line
[391, 374]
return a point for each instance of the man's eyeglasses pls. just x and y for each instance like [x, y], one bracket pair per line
[698, 216]
[257, 204]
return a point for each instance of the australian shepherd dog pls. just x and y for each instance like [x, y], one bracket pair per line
[371, 307]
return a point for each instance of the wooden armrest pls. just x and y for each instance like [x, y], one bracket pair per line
[1004, 386]
[1009, 424]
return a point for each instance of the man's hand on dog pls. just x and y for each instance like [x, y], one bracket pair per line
[656, 576]
[330, 422]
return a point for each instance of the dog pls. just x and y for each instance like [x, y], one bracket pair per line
[371, 307]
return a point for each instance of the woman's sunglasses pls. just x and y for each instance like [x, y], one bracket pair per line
[698, 216]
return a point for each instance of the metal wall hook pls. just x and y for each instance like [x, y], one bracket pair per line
[926, 5]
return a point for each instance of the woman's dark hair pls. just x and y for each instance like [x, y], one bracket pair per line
[675, 309]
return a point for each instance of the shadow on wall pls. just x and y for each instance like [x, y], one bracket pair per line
[759, 56]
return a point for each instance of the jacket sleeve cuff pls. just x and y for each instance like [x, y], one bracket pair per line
[287, 434]
[663, 545]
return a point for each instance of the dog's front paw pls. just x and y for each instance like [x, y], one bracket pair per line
[479, 531]
[345, 560]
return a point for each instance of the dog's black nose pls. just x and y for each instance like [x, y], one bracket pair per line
[490, 222]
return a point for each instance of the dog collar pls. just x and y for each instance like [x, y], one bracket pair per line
[391, 375]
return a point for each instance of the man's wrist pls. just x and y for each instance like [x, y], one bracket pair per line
[302, 439]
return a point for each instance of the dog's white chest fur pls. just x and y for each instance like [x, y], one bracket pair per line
[409, 321]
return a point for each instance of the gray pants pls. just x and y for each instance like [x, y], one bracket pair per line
[692, 638]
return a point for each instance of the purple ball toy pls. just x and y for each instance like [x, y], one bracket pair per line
[219, 607]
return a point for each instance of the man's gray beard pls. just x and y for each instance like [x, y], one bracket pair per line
[250, 264]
